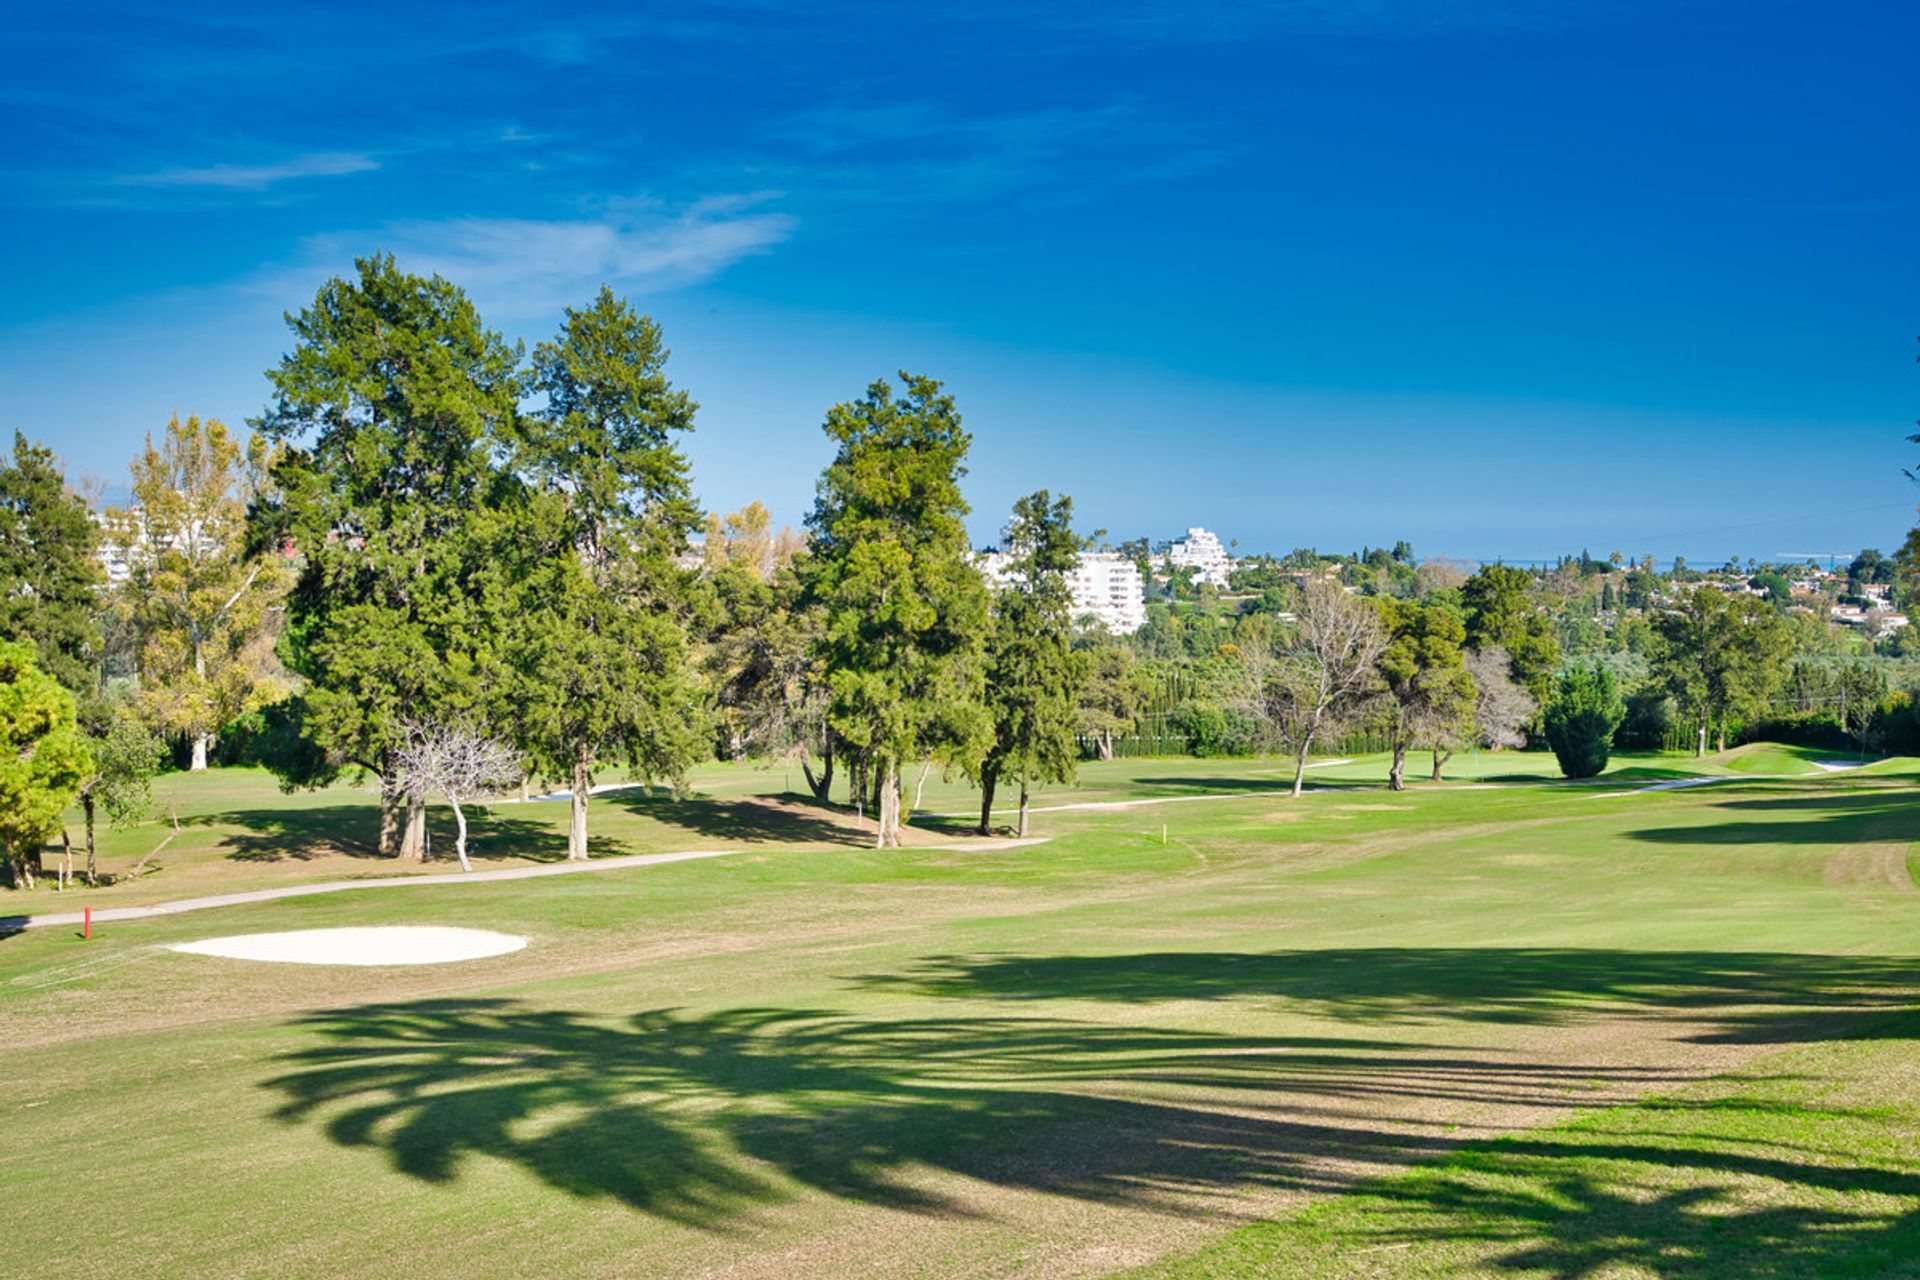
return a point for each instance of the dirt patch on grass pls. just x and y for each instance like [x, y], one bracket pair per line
[1883, 866]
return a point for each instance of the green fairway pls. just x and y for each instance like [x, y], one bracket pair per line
[237, 830]
[1463, 1030]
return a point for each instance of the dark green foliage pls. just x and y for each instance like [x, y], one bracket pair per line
[1779, 590]
[1113, 689]
[49, 576]
[1580, 720]
[396, 405]
[1500, 611]
[1720, 657]
[904, 610]
[1430, 693]
[1033, 676]
[596, 610]
[1214, 730]
[1647, 723]
[276, 738]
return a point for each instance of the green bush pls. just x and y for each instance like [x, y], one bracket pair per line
[1899, 725]
[1212, 730]
[1580, 719]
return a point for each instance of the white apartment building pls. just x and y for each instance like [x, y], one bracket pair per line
[1105, 585]
[1201, 551]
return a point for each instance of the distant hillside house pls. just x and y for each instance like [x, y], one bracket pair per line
[1202, 552]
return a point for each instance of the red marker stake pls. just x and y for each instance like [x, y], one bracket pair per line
[86, 927]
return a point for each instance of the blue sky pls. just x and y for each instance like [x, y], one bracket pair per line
[1499, 277]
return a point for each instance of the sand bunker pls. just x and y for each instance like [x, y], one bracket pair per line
[387, 944]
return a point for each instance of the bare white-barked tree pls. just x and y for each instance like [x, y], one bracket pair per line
[457, 762]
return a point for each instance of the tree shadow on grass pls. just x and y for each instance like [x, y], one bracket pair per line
[324, 831]
[296, 834]
[1829, 817]
[1737, 997]
[704, 1119]
[1681, 1207]
[1209, 784]
[707, 1120]
[745, 819]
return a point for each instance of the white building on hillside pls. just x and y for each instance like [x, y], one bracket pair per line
[1201, 551]
[1106, 586]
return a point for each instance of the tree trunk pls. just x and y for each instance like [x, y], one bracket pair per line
[889, 805]
[987, 782]
[391, 805]
[200, 741]
[1300, 763]
[920, 787]
[1700, 743]
[413, 839]
[879, 781]
[460, 841]
[577, 827]
[1439, 760]
[1720, 739]
[1106, 745]
[86, 806]
[1022, 831]
[857, 786]
[1397, 777]
[22, 868]
[822, 787]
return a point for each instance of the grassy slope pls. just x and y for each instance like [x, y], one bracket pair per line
[1805, 1164]
[1060, 1060]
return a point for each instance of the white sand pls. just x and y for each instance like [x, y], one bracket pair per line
[388, 944]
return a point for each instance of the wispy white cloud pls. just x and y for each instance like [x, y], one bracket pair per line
[258, 177]
[918, 151]
[521, 267]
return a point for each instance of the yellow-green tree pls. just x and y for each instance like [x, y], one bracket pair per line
[200, 600]
[43, 759]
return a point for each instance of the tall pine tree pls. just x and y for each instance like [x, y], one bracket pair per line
[396, 404]
[1033, 674]
[597, 632]
[905, 612]
[49, 574]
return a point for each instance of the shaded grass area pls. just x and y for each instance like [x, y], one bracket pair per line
[1426, 986]
[1803, 1165]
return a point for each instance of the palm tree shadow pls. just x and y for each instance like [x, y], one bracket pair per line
[704, 1120]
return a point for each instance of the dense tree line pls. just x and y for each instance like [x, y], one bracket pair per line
[447, 564]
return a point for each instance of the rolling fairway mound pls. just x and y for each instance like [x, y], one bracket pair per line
[1533, 1030]
[1777, 760]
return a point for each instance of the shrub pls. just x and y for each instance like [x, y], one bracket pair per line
[1900, 725]
[1580, 719]
[1213, 730]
